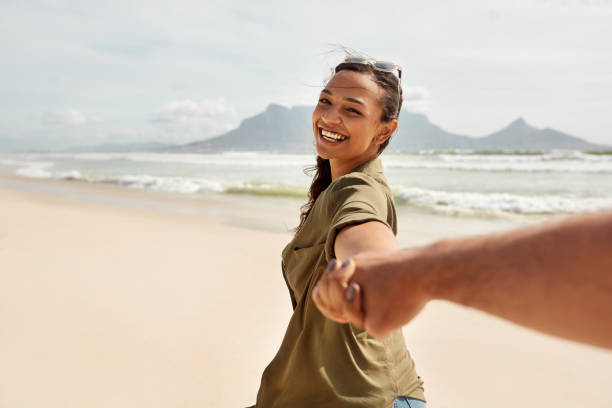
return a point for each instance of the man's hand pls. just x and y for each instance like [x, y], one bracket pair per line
[371, 292]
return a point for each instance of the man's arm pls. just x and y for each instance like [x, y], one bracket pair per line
[555, 278]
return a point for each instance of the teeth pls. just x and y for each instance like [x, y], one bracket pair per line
[332, 135]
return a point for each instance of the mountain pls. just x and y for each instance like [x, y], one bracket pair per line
[416, 132]
[519, 135]
[282, 129]
[277, 129]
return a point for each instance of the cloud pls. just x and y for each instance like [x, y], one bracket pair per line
[188, 120]
[185, 111]
[416, 99]
[65, 117]
[415, 93]
[120, 57]
[577, 3]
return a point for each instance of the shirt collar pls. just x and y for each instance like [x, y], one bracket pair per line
[371, 167]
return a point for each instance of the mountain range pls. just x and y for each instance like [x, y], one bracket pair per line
[289, 130]
[282, 129]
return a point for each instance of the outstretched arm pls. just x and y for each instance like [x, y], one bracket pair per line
[555, 278]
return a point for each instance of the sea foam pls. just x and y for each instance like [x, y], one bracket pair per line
[498, 203]
[554, 161]
[35, 170]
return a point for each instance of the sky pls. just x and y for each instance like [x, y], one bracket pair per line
[87, 72]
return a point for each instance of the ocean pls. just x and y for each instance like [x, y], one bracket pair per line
[456, 183]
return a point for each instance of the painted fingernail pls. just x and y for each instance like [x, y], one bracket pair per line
[346, 262]
[350, 292]
[332, 265]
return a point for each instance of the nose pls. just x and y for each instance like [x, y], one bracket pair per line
[331, 116]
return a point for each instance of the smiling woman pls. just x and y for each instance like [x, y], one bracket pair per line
[350, 211]
[347, 121]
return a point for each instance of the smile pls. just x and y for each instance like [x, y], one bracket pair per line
[331, 136]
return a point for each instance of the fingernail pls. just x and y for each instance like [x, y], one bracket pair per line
[332, 265]
[346, 262]
[350, 292]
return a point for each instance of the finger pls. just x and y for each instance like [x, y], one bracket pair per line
[316, 297]
[345, 272]
[353, 306]
[349, 295]
[337, 281]
[325, 309]
[331, 266]
[325, 284]
[325, 296]
[335, 298]
[319, 301]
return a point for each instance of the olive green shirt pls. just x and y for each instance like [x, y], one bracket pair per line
[321, 363]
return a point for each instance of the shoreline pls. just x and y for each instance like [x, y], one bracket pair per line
[229, 210]
[275, 214]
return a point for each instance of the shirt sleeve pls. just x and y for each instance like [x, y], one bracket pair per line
[355, 199]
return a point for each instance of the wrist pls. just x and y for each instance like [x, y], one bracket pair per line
[414, 270]
[431, 268]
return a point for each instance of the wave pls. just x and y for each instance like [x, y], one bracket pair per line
[183, 185]
[245, 159]
[563, 161]
[508, 152]
[448, 202]
[508, 167]
[169, 184]
[35, 169]
[267, 189]
[556, 161]
[460, 203]
[199, 185]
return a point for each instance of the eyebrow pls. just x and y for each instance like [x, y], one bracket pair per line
[357, 101]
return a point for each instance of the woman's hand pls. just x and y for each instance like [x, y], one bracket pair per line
[336, 297]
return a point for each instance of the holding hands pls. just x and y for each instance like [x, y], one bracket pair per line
[555, 278]
[370, 292]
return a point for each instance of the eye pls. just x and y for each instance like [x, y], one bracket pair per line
[353, 110]
[325, 101]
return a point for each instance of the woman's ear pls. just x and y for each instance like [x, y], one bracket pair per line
[386, 130]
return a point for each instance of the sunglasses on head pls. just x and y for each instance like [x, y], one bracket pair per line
[385, 66]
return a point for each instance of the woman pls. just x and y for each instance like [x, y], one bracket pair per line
[322, 363]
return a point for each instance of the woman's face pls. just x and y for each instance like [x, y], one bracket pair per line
[346, 121]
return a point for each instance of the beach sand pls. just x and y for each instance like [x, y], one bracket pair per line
[111, 297]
